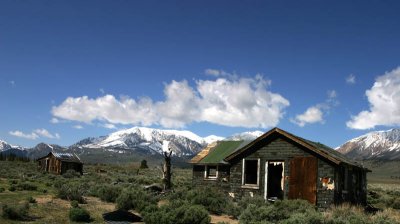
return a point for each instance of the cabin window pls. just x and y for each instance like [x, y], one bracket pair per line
[211, 172]
[251, 172]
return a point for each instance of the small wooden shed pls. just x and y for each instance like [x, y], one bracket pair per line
[279, 165]
[59, 163]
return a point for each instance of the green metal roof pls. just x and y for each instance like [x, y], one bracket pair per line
[221, 151]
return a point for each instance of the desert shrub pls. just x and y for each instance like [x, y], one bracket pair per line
[13, 181]
[234, 209]
[108, 193]
[134, 198]
[183, 214]
[254, 214]
[385, 217]
[19, 212]
[280, 211]
[78, 214]
[213, 200]
[26, 186]
[310, 217]
[12, 188]
[30, 199]
[346, 214]
[2, 189]
[71, 192]
[71, 174]
[143, 164]
[396, 203]
[74, 204]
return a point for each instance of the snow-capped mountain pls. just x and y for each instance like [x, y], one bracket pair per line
[249, 135]
[213, 138]
[138, 141]
[182, 143]
[4, 145]
[374, 145]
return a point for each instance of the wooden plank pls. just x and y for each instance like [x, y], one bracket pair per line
[303, 179]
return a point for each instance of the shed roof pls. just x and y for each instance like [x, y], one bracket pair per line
[216, 152]
[64, 156]
[317, 148]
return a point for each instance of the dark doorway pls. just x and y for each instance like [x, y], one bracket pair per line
[275, 180]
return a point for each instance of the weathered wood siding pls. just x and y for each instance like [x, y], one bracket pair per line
[221, 182]
[280, 150]
[53, 165]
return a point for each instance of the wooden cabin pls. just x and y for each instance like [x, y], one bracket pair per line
[279, 165]
[59, 163]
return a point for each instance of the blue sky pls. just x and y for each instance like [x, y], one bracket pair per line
[327, 71]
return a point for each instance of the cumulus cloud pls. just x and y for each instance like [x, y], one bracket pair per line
[315, 114]
[384, 100]
[35, 134]
[311, 115]
[227, 100]
[20, 134]
[54, 120]
[109, 126]
[78, 126]
[351, 79]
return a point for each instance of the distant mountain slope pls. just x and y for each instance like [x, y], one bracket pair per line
[136, 142]
[249, 135]
[384, 145]
[182, 143]
[43, 149]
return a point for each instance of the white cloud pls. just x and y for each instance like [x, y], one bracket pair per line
[315, 114]
[20, 134]
[109, 126]
[54, 120]
[332, 94]
[227, 100]
[311, 115]
[351, 79]
[384, 100]
[78, 126]
[35, 134]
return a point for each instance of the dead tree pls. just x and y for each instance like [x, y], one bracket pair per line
[166, 167]
[167, 171]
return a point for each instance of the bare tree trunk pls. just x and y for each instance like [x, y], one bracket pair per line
[167, 171]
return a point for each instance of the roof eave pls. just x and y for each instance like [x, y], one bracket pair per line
[287, 135]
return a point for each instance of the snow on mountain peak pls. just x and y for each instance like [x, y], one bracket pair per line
[248, 135]
[373, 144]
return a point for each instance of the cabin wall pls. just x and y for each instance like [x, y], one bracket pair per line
[53, 165]
[326, 190]
[281, 150]
[221, 182]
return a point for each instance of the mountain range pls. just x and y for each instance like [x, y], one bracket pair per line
[144, 142]
[378, 145]
[133, 141]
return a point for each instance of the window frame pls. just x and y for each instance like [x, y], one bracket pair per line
[246, 185]
[207, 174]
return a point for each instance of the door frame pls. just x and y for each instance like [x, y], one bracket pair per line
[266, 176]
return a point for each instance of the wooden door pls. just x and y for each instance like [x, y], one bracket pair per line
[303, 179]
